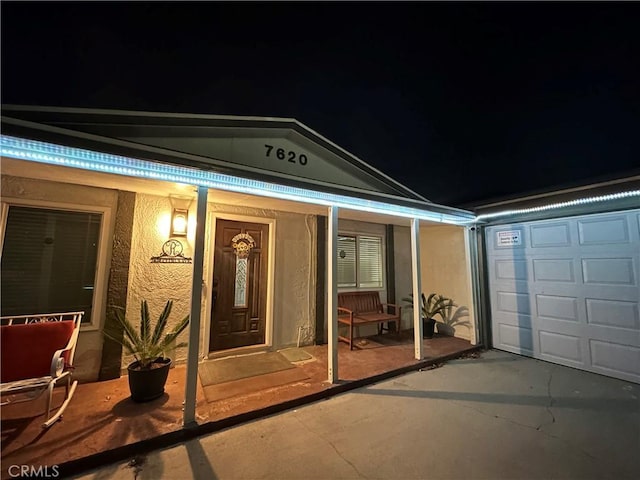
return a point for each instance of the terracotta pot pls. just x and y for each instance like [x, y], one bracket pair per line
[146, 385]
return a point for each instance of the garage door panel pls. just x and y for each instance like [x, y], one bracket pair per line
[613, 313]
[557, 307]
[553, 270]
[603, 231]
[511, 269]
[550, 235]
[516, 338]
[556, 346]
[514, 302]
[609, 271]
[618, 360]
[570, 293]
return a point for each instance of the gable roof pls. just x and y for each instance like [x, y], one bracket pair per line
[235, 145]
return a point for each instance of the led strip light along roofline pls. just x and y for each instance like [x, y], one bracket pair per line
[554, 206]
[52, 154]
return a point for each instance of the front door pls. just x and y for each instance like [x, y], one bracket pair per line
[238, 316]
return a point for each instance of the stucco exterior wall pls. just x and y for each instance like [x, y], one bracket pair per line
[403, 271]
[47, 193]
[444, 269]
[157, 282]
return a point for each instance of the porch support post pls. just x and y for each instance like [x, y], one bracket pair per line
[332, 294]
[417, 288]
[189, 416]
[471, 245]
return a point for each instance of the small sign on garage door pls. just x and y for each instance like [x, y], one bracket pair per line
[509, 238]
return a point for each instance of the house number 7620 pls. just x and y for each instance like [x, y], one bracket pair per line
[282, 154]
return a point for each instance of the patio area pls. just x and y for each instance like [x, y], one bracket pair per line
[103, 424]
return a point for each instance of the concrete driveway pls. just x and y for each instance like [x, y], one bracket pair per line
[499, 416]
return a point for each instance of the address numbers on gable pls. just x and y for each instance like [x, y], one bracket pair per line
[272, 151]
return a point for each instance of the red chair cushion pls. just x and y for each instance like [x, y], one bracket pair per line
[27, 350]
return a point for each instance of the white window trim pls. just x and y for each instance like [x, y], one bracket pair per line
[104, 248]
[384, 261]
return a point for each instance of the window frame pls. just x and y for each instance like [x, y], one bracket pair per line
[104, 247]
[383, 253]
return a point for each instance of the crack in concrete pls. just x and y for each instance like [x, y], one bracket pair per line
[531, 427]
[496, 416]
[335, 449]
[551, 402]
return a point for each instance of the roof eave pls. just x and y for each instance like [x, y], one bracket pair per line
[56, 135]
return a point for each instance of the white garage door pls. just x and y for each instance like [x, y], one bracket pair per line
[567, 291]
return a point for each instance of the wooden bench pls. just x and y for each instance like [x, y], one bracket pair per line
[37, 353]
[362, 308]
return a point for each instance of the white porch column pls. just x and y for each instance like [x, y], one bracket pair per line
[332, 294]
[417, 289]
[473, 273]
[189, 416]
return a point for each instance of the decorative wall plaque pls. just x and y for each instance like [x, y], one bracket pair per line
[171, 253]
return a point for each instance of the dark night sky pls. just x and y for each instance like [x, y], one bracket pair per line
[459, 101]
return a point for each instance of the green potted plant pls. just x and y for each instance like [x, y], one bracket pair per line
[148, 373]
[452, 316]
[429, 308]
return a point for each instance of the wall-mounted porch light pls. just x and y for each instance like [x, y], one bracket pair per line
[179, 222]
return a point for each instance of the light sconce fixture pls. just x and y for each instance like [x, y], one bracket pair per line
[179, 222]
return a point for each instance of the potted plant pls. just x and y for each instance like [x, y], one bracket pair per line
[430, 307]
[148, 373]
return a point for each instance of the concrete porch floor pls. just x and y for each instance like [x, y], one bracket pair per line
[102, 423]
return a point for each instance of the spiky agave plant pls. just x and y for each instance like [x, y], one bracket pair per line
[432, 305]
[148, 345]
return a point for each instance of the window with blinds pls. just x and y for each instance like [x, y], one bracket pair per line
[49, 261]
[360, 262]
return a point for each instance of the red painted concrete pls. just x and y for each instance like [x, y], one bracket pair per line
[101, 415]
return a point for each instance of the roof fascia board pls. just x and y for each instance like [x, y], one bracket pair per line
[594, 208]
[584, 194]
[142, 114]
[552, 195]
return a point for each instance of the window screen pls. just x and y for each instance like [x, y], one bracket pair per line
[347, 262]
[370, 262]
[49, 261]
[360, 262]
